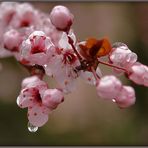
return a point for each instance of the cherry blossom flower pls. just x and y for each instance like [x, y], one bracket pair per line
[62, 65]
[39, 104]
[61, 18]
[37, 49]
[25, 16]
[139, 74]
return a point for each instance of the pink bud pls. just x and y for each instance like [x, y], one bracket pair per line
[109, 87]
[34, 81]
[12, 40]
[61, 18]
[122, 56]
[126, 97]
[52, 98]
[29, 80]
[139, 74]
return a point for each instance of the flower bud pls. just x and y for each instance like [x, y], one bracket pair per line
[122, 56]
[12, 40]
[139, 74]
[126, 97]
[61, 18]
[52, 98]
[109, 87]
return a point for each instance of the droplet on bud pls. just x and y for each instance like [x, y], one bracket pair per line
[132, 57]
[118, 44]
[18, 100]
[114, 100]
[32, 128]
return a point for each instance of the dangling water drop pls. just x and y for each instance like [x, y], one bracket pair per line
[32, 128]
[114, 100]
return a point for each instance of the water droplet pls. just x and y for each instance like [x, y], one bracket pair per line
[17, 100]
[119, 44]
[32, 128]
[131, 57]
[114, 100]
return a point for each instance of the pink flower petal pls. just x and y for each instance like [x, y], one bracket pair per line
[25, 98]
[37, 115]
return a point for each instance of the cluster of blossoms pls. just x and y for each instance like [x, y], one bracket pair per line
[45, 44]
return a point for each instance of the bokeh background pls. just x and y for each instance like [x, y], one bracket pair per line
[84, 118]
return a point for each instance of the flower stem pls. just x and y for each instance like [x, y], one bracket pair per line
[111, 65]
[95, 75]
[70, 40]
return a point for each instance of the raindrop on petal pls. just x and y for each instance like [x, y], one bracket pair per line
[32, 128]
[131, 57]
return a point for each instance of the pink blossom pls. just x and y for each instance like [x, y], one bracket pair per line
[37, 49]
[46, 44]
[126, 97]
[139, 74]
[61, 18]
[25, 16]
[122, 56]
[32, 96]
[109, 87]
[62, 65]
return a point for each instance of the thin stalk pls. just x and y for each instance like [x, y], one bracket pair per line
[111, 65]
[70, 40]
[95, 75]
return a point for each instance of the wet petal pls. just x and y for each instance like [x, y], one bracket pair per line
[25, 98]
[37, 115]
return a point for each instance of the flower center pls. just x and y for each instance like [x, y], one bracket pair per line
[69, 58]
[39, 46]
[37, 95]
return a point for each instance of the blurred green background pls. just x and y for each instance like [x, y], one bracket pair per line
[84, 118]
